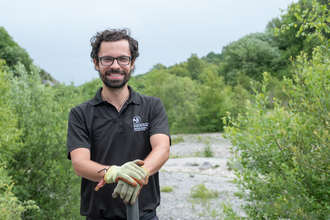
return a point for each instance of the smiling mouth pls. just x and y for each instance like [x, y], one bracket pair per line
[115, 74]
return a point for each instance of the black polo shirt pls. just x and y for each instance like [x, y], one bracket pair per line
[113, 139]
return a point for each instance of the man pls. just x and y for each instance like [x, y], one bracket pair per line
[110, 135]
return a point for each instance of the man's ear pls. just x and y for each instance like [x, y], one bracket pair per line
[96, 63]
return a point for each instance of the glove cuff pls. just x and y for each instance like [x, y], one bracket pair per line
[146, 170]
[109, 174]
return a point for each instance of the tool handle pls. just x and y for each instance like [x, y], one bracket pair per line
[133, 211]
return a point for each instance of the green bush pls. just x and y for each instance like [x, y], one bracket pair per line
[284, 153]
[10, 206]
[40, 169]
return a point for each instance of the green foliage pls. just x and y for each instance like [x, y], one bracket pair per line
[40, 169]
[207, 151]
[213, 58]
[289, 42]
[195, 66]
[172, 156]
[201, 192]
[166, 188]
[252, 55]
[213, 99]
[284, 153]
[10, 206]
[177, 140]
[180, 71]
[12, 53]
[312, 19]
[9, 133]
[179, 96]
[89, 89]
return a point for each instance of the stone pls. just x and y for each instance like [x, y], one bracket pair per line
[205, 166]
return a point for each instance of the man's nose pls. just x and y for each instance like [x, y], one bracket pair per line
[115, 64]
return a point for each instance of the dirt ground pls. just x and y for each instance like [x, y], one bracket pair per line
[183, 171]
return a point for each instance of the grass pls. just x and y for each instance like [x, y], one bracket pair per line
[206, 152]
[175, 156]
[205, 204]
[203, 201]
[167, 188]
[177, 140]
[201, 192]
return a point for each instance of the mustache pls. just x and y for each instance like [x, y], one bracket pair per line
[115, 71]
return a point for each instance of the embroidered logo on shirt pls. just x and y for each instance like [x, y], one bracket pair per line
[138, 126]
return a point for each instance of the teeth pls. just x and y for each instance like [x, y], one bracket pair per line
[115, 74]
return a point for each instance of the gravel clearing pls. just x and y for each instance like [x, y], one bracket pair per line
[184, 170]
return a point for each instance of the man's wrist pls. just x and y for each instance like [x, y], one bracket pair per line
[106, 170]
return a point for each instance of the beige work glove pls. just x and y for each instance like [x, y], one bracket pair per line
[131, 172]
[127, 192]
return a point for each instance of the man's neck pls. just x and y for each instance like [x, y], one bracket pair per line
[116, 97]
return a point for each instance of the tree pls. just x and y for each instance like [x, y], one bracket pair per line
[12, 52]
[179, 70]
[251, 55]
[10, 206]
[153, 81]
[195, 66]
[213, 58]
[284, 153]
[212, 99]
[180, 97]
[40, 169]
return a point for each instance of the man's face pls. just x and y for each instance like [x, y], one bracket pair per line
[114, 76]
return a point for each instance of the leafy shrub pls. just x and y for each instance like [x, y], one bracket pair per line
[201, 192]
[40, 168]
[207, 151]
[10, 206]
[289, 149]
[284, 153]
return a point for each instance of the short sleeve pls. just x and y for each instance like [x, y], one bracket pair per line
[78, 135]
[159, 121]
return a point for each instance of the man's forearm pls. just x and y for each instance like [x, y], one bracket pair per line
[89, 170]
[86, 168]
[159, 155]
[155, 160]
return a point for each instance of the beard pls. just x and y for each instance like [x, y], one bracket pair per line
[115, 84]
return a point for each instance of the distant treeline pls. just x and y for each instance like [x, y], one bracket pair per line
[198, 92]
[37, 180]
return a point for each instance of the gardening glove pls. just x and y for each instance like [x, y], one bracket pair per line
[131, 172]
[127, 192]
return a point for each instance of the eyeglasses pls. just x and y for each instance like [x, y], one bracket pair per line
[108, 61]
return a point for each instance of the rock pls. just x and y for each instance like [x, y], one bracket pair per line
[205, 166]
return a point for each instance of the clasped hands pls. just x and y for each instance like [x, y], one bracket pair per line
[129, 177]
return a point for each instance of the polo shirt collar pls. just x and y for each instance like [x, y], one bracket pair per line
[98, 99]
[134, 96]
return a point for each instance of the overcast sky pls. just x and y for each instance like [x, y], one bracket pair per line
[56, 34]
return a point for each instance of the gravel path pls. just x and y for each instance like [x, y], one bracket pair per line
[182, 172]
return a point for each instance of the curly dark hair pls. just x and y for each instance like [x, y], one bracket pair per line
[113, 35]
